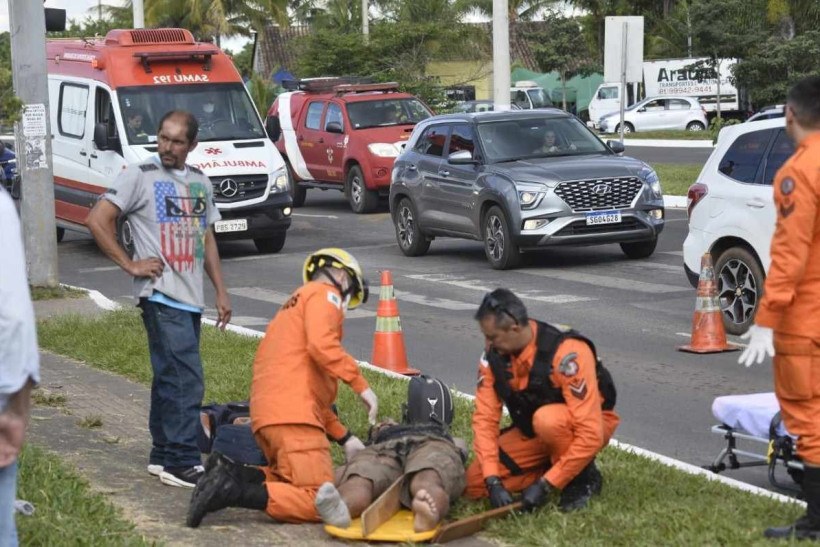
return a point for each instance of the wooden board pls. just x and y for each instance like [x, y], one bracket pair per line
[472, 525]
[380, 511]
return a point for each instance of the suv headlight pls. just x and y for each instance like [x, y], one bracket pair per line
[383, 149]
[651, 178]
[279, 181]
[530, 196]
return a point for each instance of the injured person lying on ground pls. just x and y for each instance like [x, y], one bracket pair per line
[429, 461]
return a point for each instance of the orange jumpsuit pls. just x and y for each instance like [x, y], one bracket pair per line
[567, 436]
[295, 379]
[791, 299]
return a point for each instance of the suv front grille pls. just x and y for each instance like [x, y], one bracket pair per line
[580, 228]
[231, 188]
[598, 194]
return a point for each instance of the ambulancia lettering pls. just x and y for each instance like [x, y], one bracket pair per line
[230, 163]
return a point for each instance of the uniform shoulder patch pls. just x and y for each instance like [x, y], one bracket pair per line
[579, 389]
[334, 299]
[787, 186]
[569, 366]
[150, 166]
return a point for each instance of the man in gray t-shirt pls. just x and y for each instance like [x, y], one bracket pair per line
[171, 209]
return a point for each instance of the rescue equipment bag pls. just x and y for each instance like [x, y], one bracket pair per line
[238, 443]
[214, 415]
[428, 401]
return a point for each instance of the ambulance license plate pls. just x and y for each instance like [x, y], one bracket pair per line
[235, 225]
[603, 217]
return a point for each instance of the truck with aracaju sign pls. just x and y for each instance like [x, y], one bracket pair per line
[106, 99]
[341, 135]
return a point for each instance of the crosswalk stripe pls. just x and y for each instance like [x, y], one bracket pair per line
[443, 303]
[239, 320]
[476, 285]
[274, 297]
[606, 281]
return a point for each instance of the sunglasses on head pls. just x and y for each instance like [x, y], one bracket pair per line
[490, 302]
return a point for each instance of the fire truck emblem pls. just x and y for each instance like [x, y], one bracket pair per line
[330, 155]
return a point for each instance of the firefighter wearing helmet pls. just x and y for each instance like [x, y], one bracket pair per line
[295, 380]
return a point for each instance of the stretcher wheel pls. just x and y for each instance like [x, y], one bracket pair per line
[398, 529]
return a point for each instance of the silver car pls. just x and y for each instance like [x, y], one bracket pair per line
[658, 113]
[521, 181]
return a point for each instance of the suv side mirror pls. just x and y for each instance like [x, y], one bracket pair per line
[462, 157]
[616, 146]
[101, 140]
[273, 128]
[334, 127]
[642, 109]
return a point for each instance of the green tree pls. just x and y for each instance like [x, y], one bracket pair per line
[263, 91]
[243, 60]
[519, 10]
[9, 103]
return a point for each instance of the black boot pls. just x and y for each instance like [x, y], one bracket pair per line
[807, 526]
[579, 491]
[224, 486]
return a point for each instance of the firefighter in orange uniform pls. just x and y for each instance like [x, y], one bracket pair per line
[561, 403]
[295, 379]
[787, 324]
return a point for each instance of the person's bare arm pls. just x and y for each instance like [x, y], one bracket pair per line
[13, 422]
[102, 222]
[214, 270]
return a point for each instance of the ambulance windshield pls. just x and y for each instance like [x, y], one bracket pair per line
[225, 112]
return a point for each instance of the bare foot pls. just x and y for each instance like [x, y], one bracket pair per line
[425, 513]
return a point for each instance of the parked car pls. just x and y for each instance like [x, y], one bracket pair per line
[732, 216]
[768, 112]
[501, 178]
[657, 113]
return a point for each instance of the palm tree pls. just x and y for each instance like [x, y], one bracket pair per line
[519, 10]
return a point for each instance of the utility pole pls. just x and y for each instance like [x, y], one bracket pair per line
[139, 14]
[33, 140]
[501, 55]
[365, 21]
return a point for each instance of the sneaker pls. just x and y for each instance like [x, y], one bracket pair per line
[155, 469]
[220, 487]
[186, 477]
[577, 494]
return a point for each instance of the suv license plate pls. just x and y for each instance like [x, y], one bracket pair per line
[603, 217]
[236, 225]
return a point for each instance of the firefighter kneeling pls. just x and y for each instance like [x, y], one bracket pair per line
[560, 399]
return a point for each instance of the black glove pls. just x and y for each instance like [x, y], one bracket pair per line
[499, 496]
[535, 495]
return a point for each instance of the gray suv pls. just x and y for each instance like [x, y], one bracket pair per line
[521, 181]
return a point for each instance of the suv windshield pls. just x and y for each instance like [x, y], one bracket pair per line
[526, 138]
[387, 112]
[224, 111]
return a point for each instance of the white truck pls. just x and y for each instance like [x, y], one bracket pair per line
[671, 77]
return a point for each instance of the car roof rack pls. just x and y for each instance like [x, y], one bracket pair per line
[364, 88]
[324, 84]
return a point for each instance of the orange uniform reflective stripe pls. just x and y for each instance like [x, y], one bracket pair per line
[791, 299]
[300, 360]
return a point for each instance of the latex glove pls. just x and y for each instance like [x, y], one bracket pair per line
[499, 496]
[352, 447]
[372, 403]
[761, 344]
[535, 495]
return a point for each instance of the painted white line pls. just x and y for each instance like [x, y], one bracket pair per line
[606, 281]
[665, 460]
[308, 215]
[476, 285]
[278, 256]
[674, 202]
[274, 297]
[100, 269]
[443, 303]
[659, 266]
[674, 253]
[242, 320]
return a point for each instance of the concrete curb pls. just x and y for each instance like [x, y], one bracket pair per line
[674, 202]
[690, 469]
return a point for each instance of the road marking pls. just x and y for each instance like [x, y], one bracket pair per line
[100, 269]
[606, 281]
[659, 266]
[308, 215]
[476, 285]
[443, 303]
[302, 254]
[274, 297]
[240, 320]
[675, 253]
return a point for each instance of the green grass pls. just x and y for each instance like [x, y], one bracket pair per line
[676, 179]
[665, 134]
[52, 293]
[44, 397]
[643, 502]
[66, 512]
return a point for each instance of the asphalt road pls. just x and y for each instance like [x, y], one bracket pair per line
[685, 156]
[636, 311]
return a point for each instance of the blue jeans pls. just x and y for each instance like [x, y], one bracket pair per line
[178, 385]
[8, 492]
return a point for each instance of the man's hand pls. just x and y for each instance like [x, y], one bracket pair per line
[535, 495]
[499, 496]
[372, 403]
[12, 433]
[352, 447]
[223, 310]
[148, 267]
[760, 345]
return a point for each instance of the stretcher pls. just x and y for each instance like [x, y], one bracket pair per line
[755, 418]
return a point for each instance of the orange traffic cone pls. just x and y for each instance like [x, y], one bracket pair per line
[388, 341]
[708, 334]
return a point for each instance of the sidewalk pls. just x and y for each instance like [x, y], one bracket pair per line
[113, 457]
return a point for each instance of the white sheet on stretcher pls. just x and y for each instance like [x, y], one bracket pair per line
[751, 413]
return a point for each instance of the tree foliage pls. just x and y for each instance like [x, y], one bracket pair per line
[9, 103]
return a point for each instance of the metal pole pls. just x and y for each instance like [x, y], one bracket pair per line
[365, 20]
[33, 141]
[623, 79]
[501, 55]
[139, 14]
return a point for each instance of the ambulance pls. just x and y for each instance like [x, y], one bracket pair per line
[106, 99]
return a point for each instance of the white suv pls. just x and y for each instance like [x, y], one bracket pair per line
[732, 216]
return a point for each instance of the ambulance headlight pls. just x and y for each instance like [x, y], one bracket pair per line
[383, 149]
[279, 181]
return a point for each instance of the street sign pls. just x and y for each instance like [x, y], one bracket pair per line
[615, 29]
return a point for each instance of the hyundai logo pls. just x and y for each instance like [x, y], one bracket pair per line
[601, 189]
[228, 188]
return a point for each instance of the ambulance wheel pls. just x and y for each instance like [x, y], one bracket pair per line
[60, 234]
[297, 193]
[125, 235]
[739, 287]
[269, 245]
[361, 199]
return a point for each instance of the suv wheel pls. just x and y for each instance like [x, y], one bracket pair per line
[125, 235]
[739, 287]
[297, 193]
[502, 252]
[408, 234]
[274, 244]
[361, 199]
[640, 249]
[628, 128]
[695, 126]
